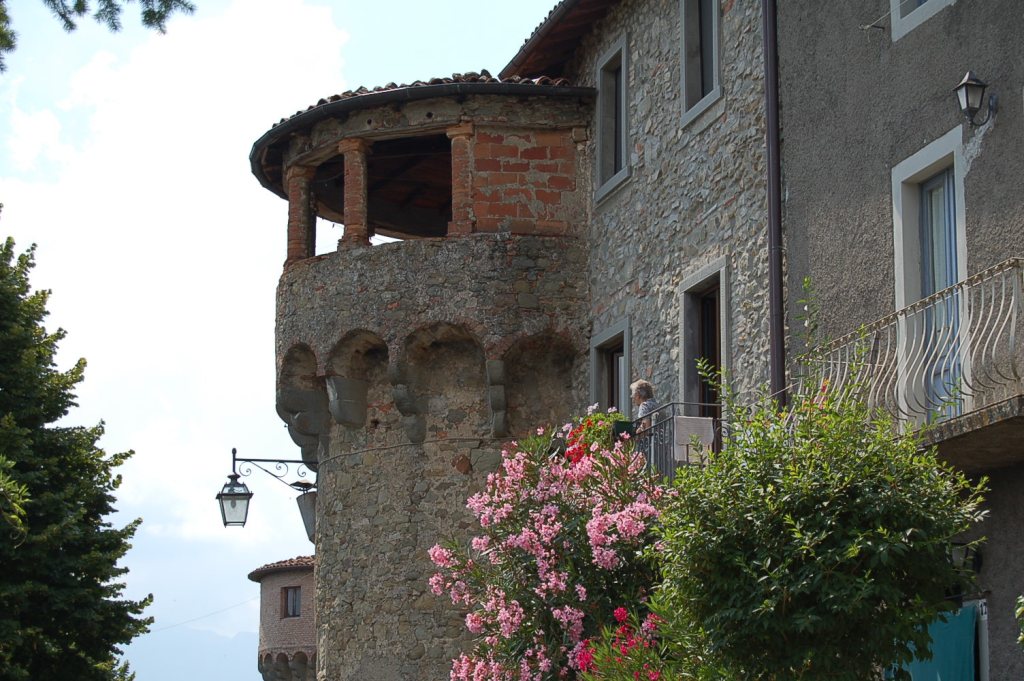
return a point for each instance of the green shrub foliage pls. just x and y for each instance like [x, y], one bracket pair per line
[815, 544]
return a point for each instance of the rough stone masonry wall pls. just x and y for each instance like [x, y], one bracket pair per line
[456, 342]
[695, 193]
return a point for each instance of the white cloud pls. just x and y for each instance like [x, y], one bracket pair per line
[35, 137]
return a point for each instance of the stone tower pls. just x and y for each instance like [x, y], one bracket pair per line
[404, 367]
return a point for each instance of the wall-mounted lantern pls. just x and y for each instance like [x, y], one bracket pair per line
[234, 501]
[965, 556]
[970, 94]
[235, 495]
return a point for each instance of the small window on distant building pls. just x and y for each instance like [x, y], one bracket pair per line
[700, 81]
[291, 601]
[612, 78]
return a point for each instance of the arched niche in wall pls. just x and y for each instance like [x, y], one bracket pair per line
[300, 668]
[539, 390]
[266, 668]
[443, 371]
[281, 667]
[302, 403]
[357, 366]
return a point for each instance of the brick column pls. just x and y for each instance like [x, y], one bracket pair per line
[462, 179]
[301, 214]
[356, 232]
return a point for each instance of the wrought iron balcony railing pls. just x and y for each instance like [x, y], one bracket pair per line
[949, 354]
[670, 437]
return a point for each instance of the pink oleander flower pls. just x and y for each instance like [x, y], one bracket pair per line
[606, 558]
[650, 624]
[509, 618]
[474, 622]
[550, 526]
[437, 584]
[441, 556]
[572, 621]
[620, 614]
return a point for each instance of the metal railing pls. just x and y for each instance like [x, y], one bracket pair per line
[951, 353]
[671, 436]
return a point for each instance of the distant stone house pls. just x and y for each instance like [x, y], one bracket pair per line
[287, 647]
[607, 207]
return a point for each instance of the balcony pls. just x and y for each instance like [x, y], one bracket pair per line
[951, 362]
[674, 438]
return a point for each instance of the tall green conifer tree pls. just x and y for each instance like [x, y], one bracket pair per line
[62, 614]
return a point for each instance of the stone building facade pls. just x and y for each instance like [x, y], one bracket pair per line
[287, 649]
[599, 212]
[593, 215]
[686, 219]
[906, 218]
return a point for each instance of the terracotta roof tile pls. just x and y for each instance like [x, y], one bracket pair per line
[298, 563]
[471, 77]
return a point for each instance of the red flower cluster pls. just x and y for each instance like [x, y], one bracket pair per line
[630, 649]
[593, 432]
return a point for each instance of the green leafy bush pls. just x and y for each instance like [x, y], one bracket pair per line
[815, 544]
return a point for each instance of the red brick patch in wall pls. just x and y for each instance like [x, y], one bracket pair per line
[519, 176]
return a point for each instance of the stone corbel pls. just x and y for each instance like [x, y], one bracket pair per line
[496, 397]
[308, 419]
[347, 400]
[413, 420]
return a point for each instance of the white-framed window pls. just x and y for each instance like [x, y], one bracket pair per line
[930, 257]
[612, 118]
[906, 15]
[291, 601]
[913, 202]
[701, 83]
[703, 334]
[610, 361]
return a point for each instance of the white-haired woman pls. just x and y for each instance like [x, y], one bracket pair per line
[643, 397]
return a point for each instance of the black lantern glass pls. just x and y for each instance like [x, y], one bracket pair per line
[970, 93]
[234, 502]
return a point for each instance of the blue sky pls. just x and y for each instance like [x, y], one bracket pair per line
[125, 158]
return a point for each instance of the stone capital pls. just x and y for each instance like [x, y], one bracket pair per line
[299, 172]
[461, 130]
[354, 144]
